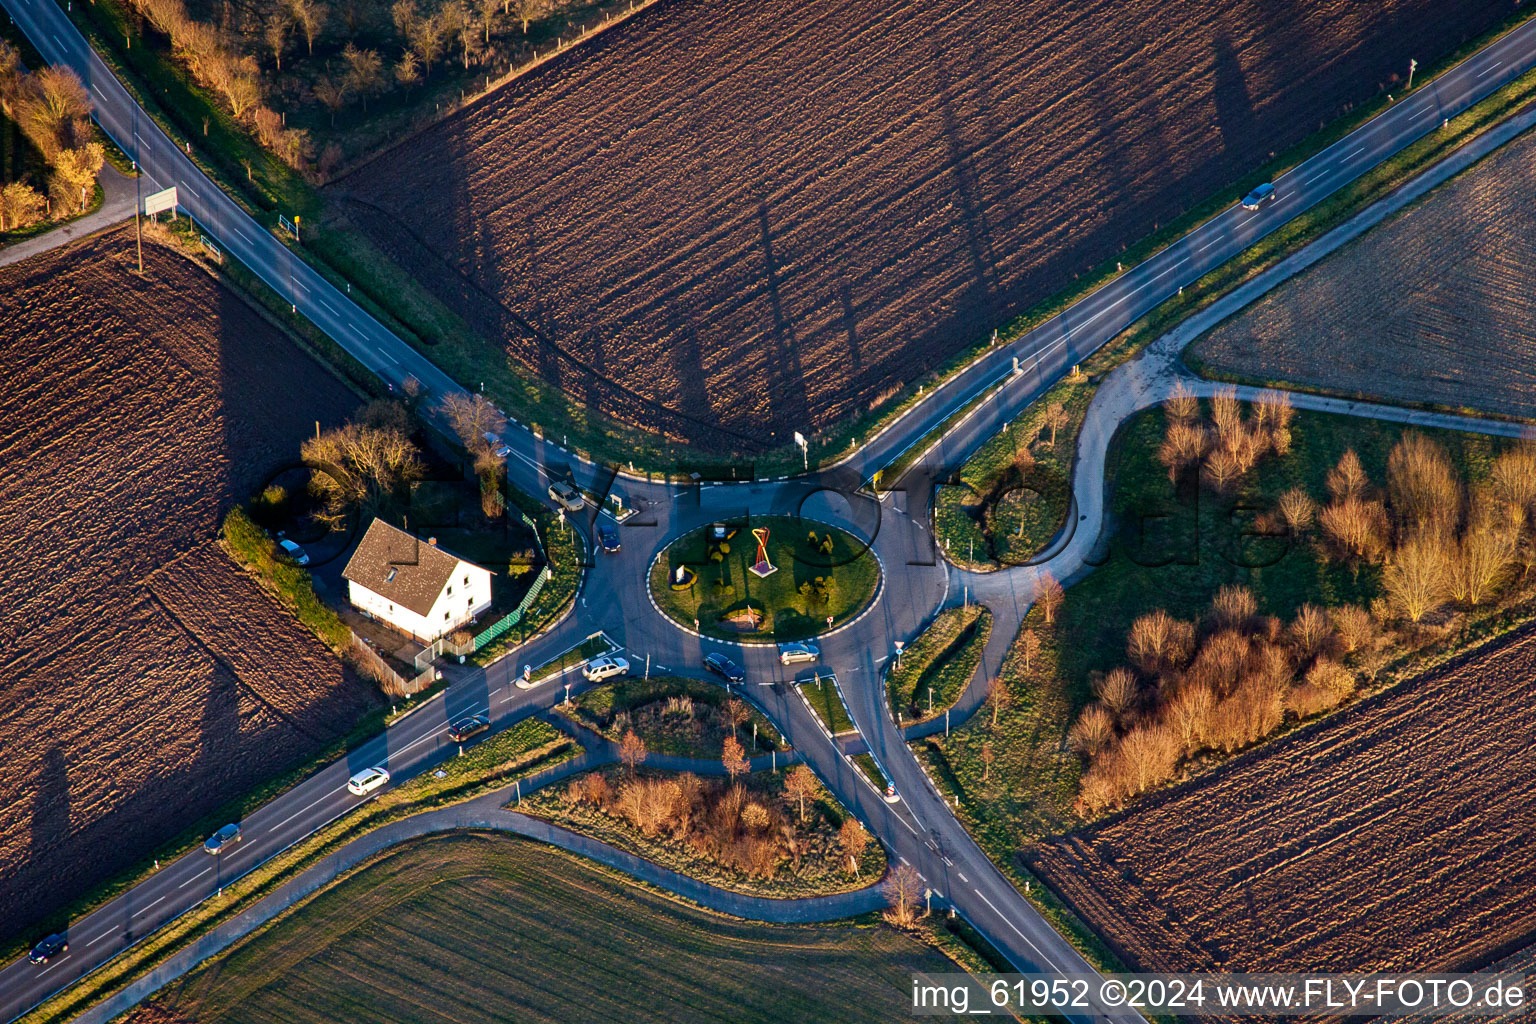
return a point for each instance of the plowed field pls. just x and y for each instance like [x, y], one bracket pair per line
[1393, 836]
[730, 219]
[145, 680]
[1432, 307]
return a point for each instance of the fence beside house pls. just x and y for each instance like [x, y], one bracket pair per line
[391, 682]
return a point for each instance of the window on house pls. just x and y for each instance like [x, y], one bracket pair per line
[445, 616]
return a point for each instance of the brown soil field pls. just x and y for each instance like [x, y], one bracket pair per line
[146, 681]
[1432, 307]
[730, 219]
[1392, 836]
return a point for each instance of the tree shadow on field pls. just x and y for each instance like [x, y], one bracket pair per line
[978, 306]
[50, 806]
[1236, 118]
[785, 375]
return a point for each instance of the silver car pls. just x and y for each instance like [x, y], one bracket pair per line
[566, 496]
[294, 551]
[789, 654]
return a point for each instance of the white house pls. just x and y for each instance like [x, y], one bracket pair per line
[413, 584]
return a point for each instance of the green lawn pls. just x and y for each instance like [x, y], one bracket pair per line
[1006, 507]
[811, 583]
[936, 666]
[673, 715]
[496, 929]
[866, 764]
[825, 699]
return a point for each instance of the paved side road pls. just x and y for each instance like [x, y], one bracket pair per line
[119, 198]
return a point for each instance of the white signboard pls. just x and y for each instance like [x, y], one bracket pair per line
[160, 202]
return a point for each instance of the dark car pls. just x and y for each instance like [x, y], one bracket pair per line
[227, 836]
[464, 728]
[609, 537]
[724, 667]
[1253, 200]
[49, 948]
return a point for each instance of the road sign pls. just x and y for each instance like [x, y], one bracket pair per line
[160, 202]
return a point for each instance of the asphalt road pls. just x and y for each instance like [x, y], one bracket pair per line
[918, 828]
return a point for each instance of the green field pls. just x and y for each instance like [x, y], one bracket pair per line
[811, 583]
[935, 668]
[474, 928]
[827, 702]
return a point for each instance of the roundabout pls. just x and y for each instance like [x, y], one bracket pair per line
[764, 580]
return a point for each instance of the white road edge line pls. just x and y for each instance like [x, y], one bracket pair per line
[1016, 931]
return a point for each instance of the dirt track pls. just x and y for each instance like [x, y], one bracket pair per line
[146, 681]
[1394, 836]
[1456, 273]
[728, 220]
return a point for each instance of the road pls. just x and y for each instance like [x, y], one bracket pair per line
[919, 828]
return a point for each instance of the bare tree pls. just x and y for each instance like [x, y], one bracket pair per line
[1226, 412]
[632, 752]
[1484, 557]
[360, 466]
[529, 10]
[737, 713]
[1093, 732]
[1417, 575]
[1423, 489]
[275, 34]
[999, 696]
[1048, 595]
[77, 169]
[1513, 478]
[1029, 647]
[1149, 754]
[854, 840]
[1183, 446]
[365, 71]
[472, 417]
[1347, 479]
[903, 889]
[408, 70]
[332, 94]
[1356, 526]
[988, 755]
[427, 40]
[20, 206]
[734, 758]
[800, 785]
[1189, 714]
[1158, 642]
[1297, 509]
[1234, 606]
[1181, 403]
[310, 16]
[1056, 417]
[1353, 625]
[1118, 692]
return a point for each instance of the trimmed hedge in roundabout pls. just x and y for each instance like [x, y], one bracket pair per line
[712, 576]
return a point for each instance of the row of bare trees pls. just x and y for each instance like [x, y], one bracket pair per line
[364, 467]
[476, 422]
[1228, 444]
[54, 112]
[726, 822]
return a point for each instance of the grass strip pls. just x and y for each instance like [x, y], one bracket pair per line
[934, 669]
[826, 701]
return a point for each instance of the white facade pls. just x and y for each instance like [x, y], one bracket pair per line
[466, 594]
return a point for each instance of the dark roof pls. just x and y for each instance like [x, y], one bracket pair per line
[401, 567]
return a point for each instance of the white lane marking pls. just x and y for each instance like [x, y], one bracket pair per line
[1354, 153]
[57, 40]
[1321, 172]
[109, 931]
[904, 861]
[295, 814]
[242, 234]
[56, 963]
[327, 305]
[1016, 931]
[148, 908]
[967, 881]
[1489, 68]
[300, 284]
[1207, 245]
[189, 188]
[1421, 111]
[194, 878]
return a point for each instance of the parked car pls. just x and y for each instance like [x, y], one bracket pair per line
[225, 837]
[566, 496]
[724, 667]
[499, 448]
[49, 948]
[609, 537]
[367, 780]
[599, 669]
[294, 551]
[466, 728]
[1253, 200]
[789, 654]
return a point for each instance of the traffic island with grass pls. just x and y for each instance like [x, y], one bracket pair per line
[931, 674]
[826, 700]
[672, 715]
[775, 834]
[765, 579]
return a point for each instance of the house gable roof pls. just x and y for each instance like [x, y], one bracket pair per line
[401, 567]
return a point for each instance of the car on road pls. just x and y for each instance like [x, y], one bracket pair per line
[566, 496]
[499, 448]
[49, 948]
[609, 537]
[1259, 196]
[466, 728]
[299, 556]
[724, 667]
[599, 669]
[789, 654]
[367, 780]
[221, 840]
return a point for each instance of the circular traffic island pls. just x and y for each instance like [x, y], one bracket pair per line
[768, 579]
